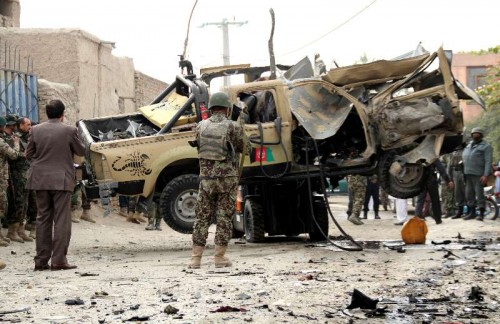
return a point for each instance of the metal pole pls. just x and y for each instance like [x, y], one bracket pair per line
[224, 25]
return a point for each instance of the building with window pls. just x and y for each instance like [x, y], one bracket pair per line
[471, 69]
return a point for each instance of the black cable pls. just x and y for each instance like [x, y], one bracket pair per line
[287, 164]
[322, 178]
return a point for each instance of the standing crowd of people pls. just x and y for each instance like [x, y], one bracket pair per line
[18, 208]
[463, 174]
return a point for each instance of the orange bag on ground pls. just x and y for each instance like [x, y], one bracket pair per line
[414, 231]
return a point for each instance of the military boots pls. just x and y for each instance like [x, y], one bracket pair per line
[131, 218]
[158, 224]
[196, 257]
[12, 233]
[86, 216]
[140, 218]
[4, 241]
[151, 224]
[74, 217]
[220, 260]
[22, 234]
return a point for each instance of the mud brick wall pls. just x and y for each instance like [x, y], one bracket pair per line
[147, 89]
[10, 13]
[66, 93]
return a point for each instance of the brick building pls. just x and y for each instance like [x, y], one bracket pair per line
[471, 69]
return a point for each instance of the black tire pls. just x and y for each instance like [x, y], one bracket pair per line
[178, 201]
[409, 186]
[491, 210]
[255, 230]
[321, 216]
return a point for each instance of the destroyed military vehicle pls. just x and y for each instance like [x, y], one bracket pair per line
[391, 118]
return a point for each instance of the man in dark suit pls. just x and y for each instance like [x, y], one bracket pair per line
[52, 175]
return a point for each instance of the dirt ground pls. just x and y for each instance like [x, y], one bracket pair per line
[128, 274]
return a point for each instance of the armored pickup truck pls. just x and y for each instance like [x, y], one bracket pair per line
[391, 118]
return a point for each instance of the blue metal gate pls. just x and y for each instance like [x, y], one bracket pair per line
[18, 94]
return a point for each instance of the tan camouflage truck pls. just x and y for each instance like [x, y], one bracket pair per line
[391, 118]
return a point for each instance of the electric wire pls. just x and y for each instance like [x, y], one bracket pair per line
[332, 30]
[357, 247]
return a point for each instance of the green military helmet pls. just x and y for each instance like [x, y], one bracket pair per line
[11, 120]
[478, 130]
[3, 122]
[219, 99]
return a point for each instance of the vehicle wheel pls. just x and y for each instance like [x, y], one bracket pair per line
[254, 221]
[410, 184]
[491, 209]
[178, 201]
[321, 216]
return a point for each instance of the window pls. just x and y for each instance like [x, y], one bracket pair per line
[476, 76]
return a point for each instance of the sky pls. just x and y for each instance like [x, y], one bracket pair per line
[153, 32]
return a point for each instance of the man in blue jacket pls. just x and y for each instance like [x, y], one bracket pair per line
[477, 159]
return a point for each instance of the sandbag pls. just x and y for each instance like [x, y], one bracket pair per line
[414, 231]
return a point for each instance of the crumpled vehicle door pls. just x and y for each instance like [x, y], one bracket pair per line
[318, 108]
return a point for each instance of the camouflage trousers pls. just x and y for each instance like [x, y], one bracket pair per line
[16, 200]
[357, 186]
[215, 197]
[448, 197]
[74, 198]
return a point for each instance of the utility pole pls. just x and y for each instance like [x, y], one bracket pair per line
[224, 24]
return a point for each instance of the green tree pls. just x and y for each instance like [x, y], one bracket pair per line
[490, 119]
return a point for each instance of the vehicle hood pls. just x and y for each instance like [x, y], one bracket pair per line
[159, 114]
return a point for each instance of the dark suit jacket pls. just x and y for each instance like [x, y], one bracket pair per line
[50, 151]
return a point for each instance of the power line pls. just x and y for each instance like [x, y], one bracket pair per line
[332, 30]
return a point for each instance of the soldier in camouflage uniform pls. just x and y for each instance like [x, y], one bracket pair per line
[455, 169]
[6, 153]
[20, 175]
[448, 196]
[79, 191]
[18, 170]
[218, 140]
[357, 186]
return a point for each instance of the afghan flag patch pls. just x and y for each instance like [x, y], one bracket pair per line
[261, 154]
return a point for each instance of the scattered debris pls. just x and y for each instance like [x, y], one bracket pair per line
[360, 300]
[100, 294]
[170, 310]
[137, 319]
[445, 242]
[226, 309]
[135, 307]
[243, 296]
[246, 273]
[87, 274]
[322, 260]
[476, 294]
[306, 277]
[76, 301]
[449, 253]
[17, 310]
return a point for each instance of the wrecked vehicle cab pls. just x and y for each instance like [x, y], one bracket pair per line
[397, 117]
[391, 118]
